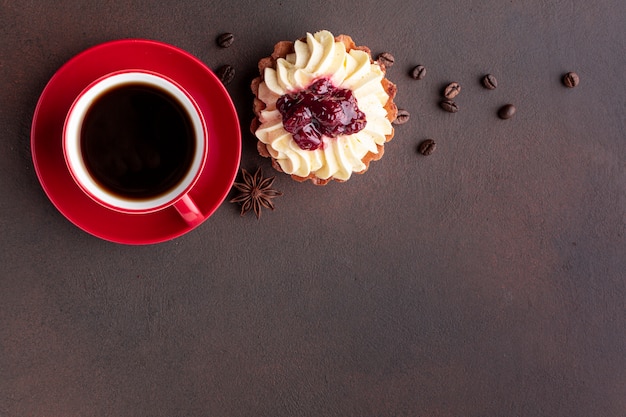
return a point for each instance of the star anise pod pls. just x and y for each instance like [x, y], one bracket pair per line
[255, 192]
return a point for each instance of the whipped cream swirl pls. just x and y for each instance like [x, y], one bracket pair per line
[321, 56]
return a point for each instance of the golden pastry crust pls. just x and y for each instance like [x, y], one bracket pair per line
[281, 50]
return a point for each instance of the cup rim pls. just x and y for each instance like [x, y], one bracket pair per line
[115, 202]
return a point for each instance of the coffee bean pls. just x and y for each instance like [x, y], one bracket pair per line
[449, 106]
[507, 111]
[402, 117]
[452, 90]
[418, 72]
[226, 74]
[386, 59]
[225, 40]
[490, 82]
[427, 147]
[571, 79]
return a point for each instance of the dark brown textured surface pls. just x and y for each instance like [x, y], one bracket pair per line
[488, 279]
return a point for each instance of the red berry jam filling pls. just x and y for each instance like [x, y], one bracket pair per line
[320, 110]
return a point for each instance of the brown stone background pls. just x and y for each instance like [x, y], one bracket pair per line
[488, 279]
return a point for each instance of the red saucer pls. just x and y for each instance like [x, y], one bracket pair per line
[46, 139]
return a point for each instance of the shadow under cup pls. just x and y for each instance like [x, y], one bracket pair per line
[135, 142]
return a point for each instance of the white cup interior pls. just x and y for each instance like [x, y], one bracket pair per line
[78, 168]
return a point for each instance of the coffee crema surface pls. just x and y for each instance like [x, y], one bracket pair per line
[137, 141]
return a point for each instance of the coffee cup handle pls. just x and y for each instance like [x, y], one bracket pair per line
[189, 211]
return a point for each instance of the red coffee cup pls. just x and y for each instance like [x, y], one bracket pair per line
[136, 142]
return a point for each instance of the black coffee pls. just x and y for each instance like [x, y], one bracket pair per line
[137, 141]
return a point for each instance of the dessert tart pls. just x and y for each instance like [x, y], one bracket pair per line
[323, 108]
